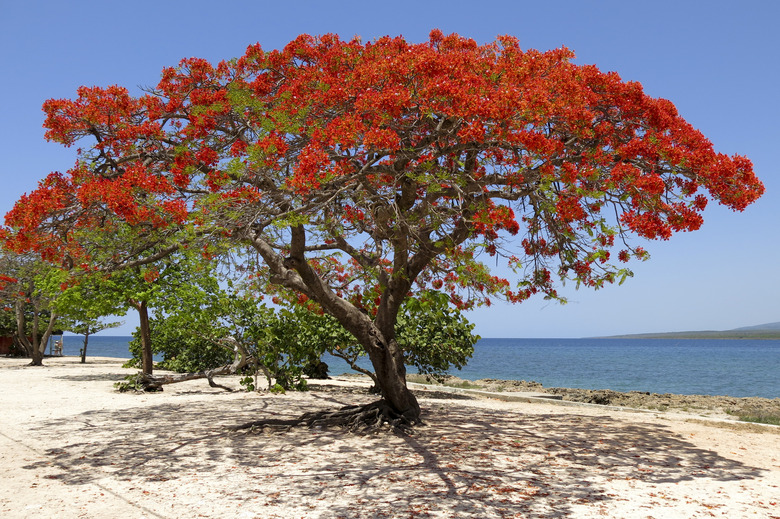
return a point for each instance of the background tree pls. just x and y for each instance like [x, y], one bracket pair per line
[134, 262]
[33, 314]
[114, 293]
[7, 314]
[8, 326]
[147, 287]
[369, 169]
[86, 327]
[194, 318]
[188, 320]
[81, 303]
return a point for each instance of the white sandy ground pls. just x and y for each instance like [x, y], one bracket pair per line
[72, 447]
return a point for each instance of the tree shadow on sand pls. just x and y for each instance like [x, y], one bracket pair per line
[465, 461]
[99, 377]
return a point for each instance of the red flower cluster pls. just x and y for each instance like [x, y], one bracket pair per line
[432, 147]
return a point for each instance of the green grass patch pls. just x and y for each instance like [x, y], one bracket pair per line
[448, 382]
[737, 426]
[465, 384]
[761, 418]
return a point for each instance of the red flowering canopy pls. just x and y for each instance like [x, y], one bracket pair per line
[356, 170]
[388, 150]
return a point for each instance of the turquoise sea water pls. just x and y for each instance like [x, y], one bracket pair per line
[712, 367]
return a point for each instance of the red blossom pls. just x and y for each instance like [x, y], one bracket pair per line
[433, 151]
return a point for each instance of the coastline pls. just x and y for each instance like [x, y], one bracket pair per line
[761, 335]
[720, 406]
[73, 447]
[698, 367]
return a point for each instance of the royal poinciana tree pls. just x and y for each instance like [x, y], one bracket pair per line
[362, 172]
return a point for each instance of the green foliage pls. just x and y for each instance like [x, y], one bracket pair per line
[770, 419]
[195, 315]
[435, 337]
[86, 326]
[186, 319]
[249, 382]
[287, 343]
[182, 349]
[24, 305]
[277, 389]
[81, 303]
[129, 383]
[281, 348]
[135, 382]
[80, 298]
[8, 325]
[183, 294]
[7, 315]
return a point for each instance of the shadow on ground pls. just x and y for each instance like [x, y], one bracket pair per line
[110, 377]
[465, 461]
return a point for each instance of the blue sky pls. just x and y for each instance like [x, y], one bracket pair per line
[719, 62]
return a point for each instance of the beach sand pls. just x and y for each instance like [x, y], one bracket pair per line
[72, 447]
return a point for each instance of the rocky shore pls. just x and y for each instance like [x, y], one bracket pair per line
[752, 407]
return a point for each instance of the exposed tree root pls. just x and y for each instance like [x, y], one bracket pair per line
[356, 418]
[149, 382]
[155, 382]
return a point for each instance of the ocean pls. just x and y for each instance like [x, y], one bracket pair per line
[737, 368]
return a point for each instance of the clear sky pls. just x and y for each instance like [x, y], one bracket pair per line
[718, 61]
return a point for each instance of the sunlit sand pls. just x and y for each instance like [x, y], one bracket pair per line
[70, 447]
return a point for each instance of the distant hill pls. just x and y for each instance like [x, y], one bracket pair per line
[760, 331]
[767, 326]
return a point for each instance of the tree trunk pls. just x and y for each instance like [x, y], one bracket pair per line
[30, 344]
[147, 359]
[47, 334]
[84, 349]
[376, 337]
[388, 362]
[34, 346]
[34, 352]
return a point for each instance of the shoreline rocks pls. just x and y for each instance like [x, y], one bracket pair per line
[731, 406]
